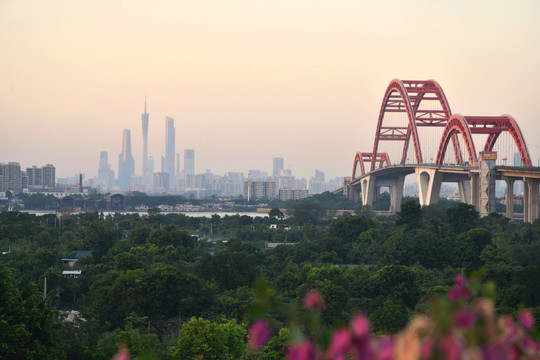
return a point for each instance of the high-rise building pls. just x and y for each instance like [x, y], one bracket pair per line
[278, 166]
[259, 189]
[169, 148]
[11, 177]
[189, 162]
[105, 173]
[177, 165]
[126, 163]
[189, 168]
[146, 176]
[42, 178]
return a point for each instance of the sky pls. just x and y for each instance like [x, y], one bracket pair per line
[249, 80]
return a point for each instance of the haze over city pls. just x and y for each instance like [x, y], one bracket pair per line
[247, 81]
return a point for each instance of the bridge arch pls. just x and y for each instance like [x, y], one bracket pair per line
[500, 124]
[357, 160]
[407, 96]
[397, 103]
[360, 158]
[457, 124]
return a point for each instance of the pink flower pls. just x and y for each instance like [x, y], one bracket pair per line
[122, 354]
[493, 352]
[450, 347]
[459, 292]
[340, 344]
[302, 351]
[464, 319]
[259, 334]
[360, 327]
[426, 351]
[460, 280]
[314, 301]
[386, 348]
[526, 319]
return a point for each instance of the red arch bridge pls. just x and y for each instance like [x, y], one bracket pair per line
[418, 134]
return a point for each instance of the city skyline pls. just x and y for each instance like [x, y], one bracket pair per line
[249, 81]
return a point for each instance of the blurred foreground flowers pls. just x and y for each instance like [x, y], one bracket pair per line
[461, 325]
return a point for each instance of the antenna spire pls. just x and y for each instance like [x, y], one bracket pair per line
[145, 102]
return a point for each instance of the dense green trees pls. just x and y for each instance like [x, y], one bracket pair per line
[29, 328]
[147, 276]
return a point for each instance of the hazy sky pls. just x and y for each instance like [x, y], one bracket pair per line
[249, 80]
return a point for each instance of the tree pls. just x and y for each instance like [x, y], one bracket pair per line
[306, 213]
[100, 237]
[205, 340]
[276, 213]
[468, 247]
[410, 214]
[390, 316]
[29, 328]
[348, 228]
[462, 217]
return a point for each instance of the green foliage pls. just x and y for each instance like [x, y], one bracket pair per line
[29, 328]
[462, 217]
[205, 340]
[306, 213]
[276, 213]
[137, 343]
[410, 214]
[349, 227]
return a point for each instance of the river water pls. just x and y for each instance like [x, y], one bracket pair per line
[141, 213]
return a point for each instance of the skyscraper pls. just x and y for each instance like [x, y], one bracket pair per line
[105, 173]
[126, 163]
[169, 148]
[189, 168]
[146, 177]
[278, 166]
[189, 162]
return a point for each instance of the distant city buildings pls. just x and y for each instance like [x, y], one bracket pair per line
[259, 189]
[316, 183]
[43, 178]
[105, 173]
[161, 181]
[146, 173]
[289, 194]
[189, 169]
[126, 163]
[170, 150]
[277, 167]
[13, 179]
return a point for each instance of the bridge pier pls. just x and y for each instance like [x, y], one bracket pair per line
[530, 200]
[429, 182]
[487, 187]
[371, 187]
[509, 199]
[368, 190]
[465, 191]
[475, 191]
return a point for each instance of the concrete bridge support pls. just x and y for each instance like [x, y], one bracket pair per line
[429, 182]
[530, 200]
[509, 198]
[475, 191]
[487, 187]
[368, 190]
[465, 191]
[355, 193]
[371, 187]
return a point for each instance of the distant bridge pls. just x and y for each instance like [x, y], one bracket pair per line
[412, 107]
